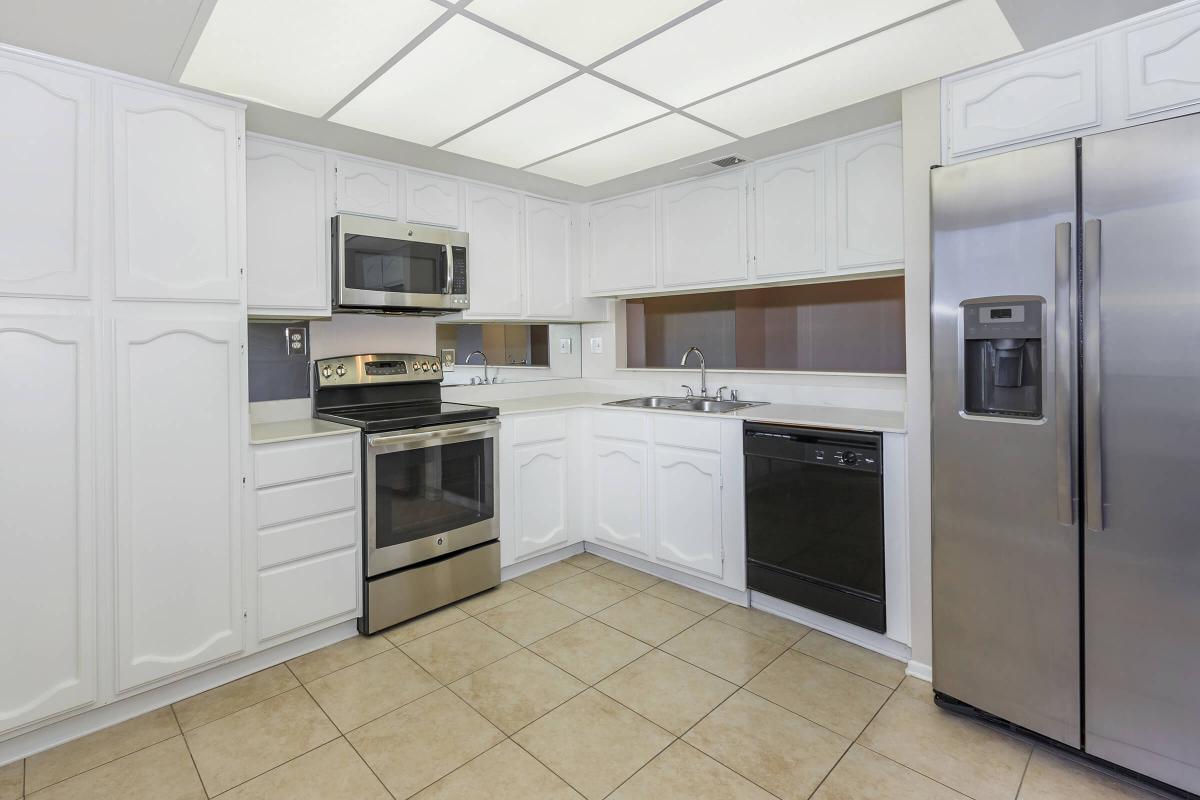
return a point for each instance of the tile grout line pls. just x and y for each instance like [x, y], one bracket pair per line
[25, 775]
[853, 741]
[1024, 772]
[191, 756]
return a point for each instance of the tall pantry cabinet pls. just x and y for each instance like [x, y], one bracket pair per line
[122, 412]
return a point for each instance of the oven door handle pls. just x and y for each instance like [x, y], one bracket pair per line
[433, 435]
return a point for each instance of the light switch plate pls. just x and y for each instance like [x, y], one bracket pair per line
[296, 341]
[597, 344]
[564, 345]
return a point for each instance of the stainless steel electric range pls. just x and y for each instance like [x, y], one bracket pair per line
[430, 521]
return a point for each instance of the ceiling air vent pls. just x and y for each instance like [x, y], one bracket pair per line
[716, 165]
[728, 161]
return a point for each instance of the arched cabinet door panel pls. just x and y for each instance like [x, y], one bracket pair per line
[870, 200]
[540, 484]
[623, 240]
[178, 480]
[550, 290]
[432, 199]
[704, 231]
[495, 260]
[789, 212]
[687, 500]
[175, 197]
[47, 537]
[621, 474]
[46, 164]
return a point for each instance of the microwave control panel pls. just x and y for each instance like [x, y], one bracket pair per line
[458, 284]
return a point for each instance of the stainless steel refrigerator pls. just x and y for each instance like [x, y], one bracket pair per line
[1066, 443]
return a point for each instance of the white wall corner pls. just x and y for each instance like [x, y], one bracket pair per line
[920, 671]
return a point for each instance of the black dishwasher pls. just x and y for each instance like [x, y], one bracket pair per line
[814, 520]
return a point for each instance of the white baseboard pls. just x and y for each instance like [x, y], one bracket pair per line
[712, 588]
[537, 562]
[94, 719]
[834, 627]
[918, 670]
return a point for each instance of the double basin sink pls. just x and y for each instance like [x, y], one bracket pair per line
[702, 405]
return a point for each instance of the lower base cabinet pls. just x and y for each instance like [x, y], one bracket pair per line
[621, 489]
[295, 596]
[687, 505]
[541, 497]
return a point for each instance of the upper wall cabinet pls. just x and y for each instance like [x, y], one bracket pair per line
[869, 219]
[495, 260]
[46, 170]
[1031, 98]
[432, 199]
[1163, 64]
[624, 244]
[704, 231]
[176, 197]
[550, 287]
[789, 211]
[287, 229]
[366, 187]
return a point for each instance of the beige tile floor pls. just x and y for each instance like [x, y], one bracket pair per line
[582, 679]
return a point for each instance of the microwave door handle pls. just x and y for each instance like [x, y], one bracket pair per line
[449, 255]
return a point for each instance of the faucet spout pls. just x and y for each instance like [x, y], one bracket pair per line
[481, 354]
[703, 372]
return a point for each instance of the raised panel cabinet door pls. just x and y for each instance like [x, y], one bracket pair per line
[687, 502]
[869, 215]
[369, 188]
[540, 492]
[495, 259]
[549, 284]
[176, 197]
[432, 199]
[287, 229]
[704, 231]
[178, 481]
[624, 241]
[621, 474]
[789, 210]
[1033, 98]
[1162, 63]
[47, 537]
[46, 159]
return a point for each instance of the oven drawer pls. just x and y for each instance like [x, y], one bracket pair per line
[282, 543]
[297, 501]
[406, 593]
[303, 460]
[297, 595]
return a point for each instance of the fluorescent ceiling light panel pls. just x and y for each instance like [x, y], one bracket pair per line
[462, 73]
[301, 55]
[942, 42]
[738, 40]
[581, 110]
[585, 30]
[657, 142]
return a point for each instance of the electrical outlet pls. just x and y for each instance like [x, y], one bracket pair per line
[564, 345]
[447, 359]
[597, 344]
[297, 341]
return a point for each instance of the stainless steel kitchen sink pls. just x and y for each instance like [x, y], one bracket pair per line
[702, 405]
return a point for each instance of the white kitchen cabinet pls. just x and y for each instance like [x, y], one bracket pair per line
[46, 167]
[176, 195]
[287, 229]
[549, 273]
[48, 543]
[869, 186]
[178, 437]
[495, 255]
[431, 199]
[540, 492]
[1162, 64]
[703, 225]
[789, 214]
[621, 494]
[371, 188]
[623, 244]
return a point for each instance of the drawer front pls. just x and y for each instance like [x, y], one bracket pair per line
[297, 595]
[694, 434]
[620, 425]
[303, 500]
[288, 462]
[283, 543]
[539, 428]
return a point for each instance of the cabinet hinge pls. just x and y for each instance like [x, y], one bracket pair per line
[245, 614]
[239, 142]
[243, 480]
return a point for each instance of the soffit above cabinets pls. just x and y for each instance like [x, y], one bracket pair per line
[589, 90]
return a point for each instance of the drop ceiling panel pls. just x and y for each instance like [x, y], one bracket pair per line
[301, 55]
[657, 142]
[581, 110]
[942, 42]
[463, 73]
[738, 40]
[584, 30]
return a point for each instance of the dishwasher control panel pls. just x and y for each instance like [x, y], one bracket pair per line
[841, 456]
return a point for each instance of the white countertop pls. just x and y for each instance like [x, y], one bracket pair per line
[288, 430]
[856, 419]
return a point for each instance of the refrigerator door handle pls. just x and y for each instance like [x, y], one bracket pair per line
[1063, 367]
[1092, 399]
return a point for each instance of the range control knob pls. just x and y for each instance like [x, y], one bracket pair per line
[425, 366]
[341, 370]
[436, 366]
[326, 372]
[849, 458]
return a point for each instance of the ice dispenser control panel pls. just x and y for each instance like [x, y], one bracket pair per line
[1002, 357]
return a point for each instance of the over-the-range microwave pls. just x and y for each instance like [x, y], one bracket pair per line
[386, 267]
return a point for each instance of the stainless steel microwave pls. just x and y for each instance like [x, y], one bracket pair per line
[381, 266]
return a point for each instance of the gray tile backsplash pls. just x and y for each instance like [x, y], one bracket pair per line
[274, 374]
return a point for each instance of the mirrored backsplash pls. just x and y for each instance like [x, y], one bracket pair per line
[513, 353]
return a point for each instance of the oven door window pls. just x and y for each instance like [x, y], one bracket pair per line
[432, 490]
[391, 265]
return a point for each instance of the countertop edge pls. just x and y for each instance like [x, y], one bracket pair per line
[295, 430]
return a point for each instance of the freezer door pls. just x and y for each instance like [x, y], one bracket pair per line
[1005, 543]
[1141, 540]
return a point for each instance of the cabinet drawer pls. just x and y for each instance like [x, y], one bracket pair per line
[540, 428]
[694, 434]
[302, 500]
[620, 425]
[303, 460]
[283, 543]
[297, 595]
